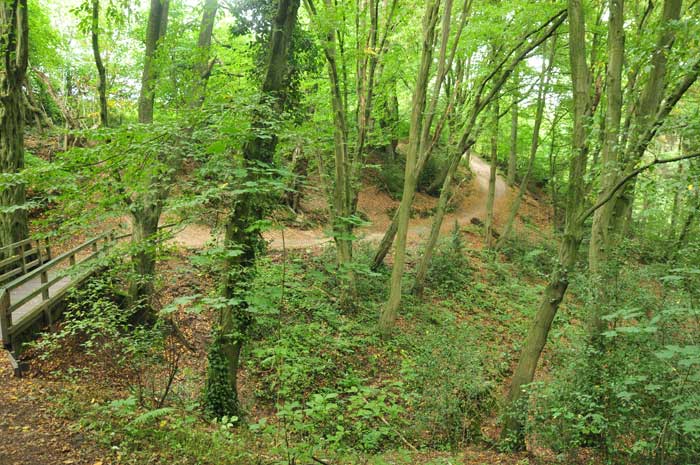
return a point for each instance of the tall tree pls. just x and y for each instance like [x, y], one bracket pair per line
[146, 208]
[242, 239]
[513, 428]
[14, 47]
[430, 19]
[155, 32]
[101, 73]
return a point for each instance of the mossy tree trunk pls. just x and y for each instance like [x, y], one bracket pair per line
[242, 240]
[14, 48]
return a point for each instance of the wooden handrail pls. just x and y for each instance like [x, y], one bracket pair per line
[50, 264]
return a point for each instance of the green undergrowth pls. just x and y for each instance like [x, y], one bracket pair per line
[321, 383]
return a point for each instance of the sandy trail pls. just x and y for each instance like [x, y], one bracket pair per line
[377, 206]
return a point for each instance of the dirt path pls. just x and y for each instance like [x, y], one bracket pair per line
[378, 206]
[29, 433]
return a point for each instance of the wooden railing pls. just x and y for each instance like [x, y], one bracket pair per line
[49, 273]
[23, 256]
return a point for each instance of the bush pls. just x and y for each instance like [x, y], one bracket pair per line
[391, 175]
[450, 268]
[638, 397]
[450, 394]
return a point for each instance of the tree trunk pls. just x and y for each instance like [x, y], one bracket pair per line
[513, 156]
[488, 224]
[202, 65]
[539, 112]
[101, 73]
[427, 144]
[14, 49]
[390, 310]
[155, 31]
[602, 228]
[513, 431]
[146, 209]
[221, 392]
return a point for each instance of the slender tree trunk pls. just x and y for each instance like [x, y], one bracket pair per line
[390, 310]
[427, 144]
[513, 156]
[440, 211]
[155, 31]
[221, 392]
[146, 209]
[539, 112]
[203, 62]
[513, 431]
[101, 73]
[601, 230]
[676, 199]
[14, 49]
[488, 224]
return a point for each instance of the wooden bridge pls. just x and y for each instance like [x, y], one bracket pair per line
[34, 285]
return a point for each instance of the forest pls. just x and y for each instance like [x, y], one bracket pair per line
[372, 232]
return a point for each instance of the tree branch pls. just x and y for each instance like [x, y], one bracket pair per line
[628, 177]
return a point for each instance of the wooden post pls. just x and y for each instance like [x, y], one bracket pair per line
[23, 259]
[71, 259]
[44, 280]
[48, 250]
[40, 256]
[5, 317]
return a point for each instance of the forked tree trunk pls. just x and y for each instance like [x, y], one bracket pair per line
[390, 310]
[14, 49]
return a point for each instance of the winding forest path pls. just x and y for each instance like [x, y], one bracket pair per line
[470, 201]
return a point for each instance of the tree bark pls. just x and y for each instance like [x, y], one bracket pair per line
[14, 30]
[488, 224]
[155, 31]
[390, 310]
[221, 392]
[513, 155]
[513, 431]
[101, 73]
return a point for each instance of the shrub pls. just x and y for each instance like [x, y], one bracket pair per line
[450, 394]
